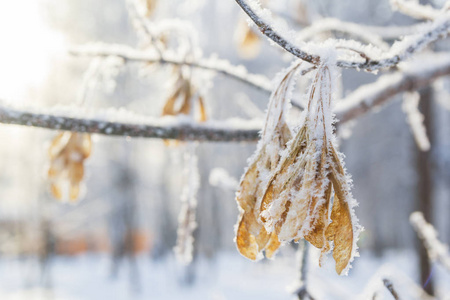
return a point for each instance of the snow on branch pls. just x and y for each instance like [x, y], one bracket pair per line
[390, 286]
[400, 51]
[335, 25]
[413, 76]
[415, 10]
[121, 123]
[222, 66]
[415, 119]
[436, 250]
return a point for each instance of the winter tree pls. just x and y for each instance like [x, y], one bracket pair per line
[187, 116]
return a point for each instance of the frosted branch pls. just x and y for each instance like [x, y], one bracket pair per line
[222, 66]
[415, 119]
[436, 250]
[414, 76]
[187, 224]
[334, 25]
[400, 51]
[388, 284]
[442, 95]
[415, 10]
[146, 127]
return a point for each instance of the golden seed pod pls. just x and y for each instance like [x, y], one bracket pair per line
[67, 154]
[295, 200]
[181, 100]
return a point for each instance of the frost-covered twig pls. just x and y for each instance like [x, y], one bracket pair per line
[388, 284]
[417, 75]
[442, 95]
[400, 51]
[142, 26]
[436, 250]
[302, 258]
[212, 64]
[403, 285]
[336, 25]
[368, 34]
[268, 31]
[415, 10]
[415, 119]
[184, 249]
[167, 128]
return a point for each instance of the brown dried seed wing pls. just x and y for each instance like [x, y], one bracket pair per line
[76, 172]
[262, 238]
[272, 246]
[74, 191]
[249, 45]
[319, 223]
[169, 106]
[341, 232]
[186, 105]
[245, 195]
[86, 146]
[245, 241]
[56, 191]
[202, 109]
[58, 144]
[150, 7]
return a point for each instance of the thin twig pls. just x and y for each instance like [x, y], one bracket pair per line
[388, 284]
[360, 32]
[369, 96]
[436, 250]
[302, 257]
[415, 10]
[437, 30]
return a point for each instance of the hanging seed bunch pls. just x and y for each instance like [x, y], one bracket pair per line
[183, 99]
[307, 195]
[248, 41]
[67, 153]
[251, 236]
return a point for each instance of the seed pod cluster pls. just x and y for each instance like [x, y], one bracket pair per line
[251, 236]
[183, 99]
[307, 194]
[67, 154]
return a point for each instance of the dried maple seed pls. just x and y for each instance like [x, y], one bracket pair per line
[181, 100]
[251, 236]
[289, 190]
[67, 154]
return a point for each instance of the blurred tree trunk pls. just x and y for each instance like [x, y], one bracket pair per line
[425, 186]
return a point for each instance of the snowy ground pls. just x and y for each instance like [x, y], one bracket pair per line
[229, 276]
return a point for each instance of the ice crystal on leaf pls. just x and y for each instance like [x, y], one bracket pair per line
[291, 193]
[67, 153]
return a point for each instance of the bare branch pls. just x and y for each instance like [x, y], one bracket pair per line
[181, 129]
[415, 10]
[369, 96]
[400, 51]
[222, 66]
[388, 284]
[436, 250]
